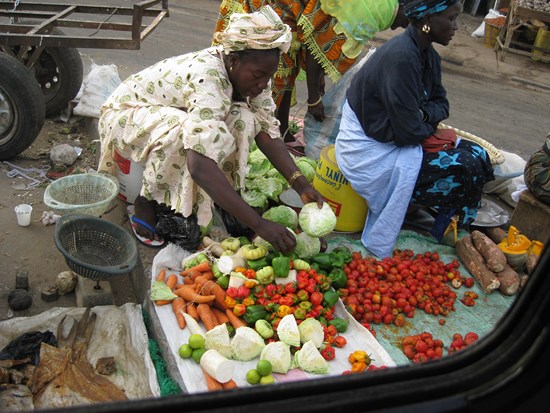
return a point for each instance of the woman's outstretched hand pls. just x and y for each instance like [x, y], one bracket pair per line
[310, 194]
[277, 235]
[317, 111]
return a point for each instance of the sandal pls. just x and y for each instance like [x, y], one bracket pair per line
[135, 221]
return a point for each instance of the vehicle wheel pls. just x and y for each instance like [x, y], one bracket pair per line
[59, 72]
[21, 107]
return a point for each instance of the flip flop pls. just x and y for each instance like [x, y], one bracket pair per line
[296, 148]
[135, 221]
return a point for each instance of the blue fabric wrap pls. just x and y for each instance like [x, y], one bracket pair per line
[417, 9]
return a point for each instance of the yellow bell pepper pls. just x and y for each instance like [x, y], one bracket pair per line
[230, 302]
[284, 310]
[248, 301]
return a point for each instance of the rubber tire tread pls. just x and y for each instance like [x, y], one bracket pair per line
[25, 95]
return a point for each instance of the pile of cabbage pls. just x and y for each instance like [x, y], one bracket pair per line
[264, 183]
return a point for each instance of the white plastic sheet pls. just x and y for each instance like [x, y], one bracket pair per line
[358, 338]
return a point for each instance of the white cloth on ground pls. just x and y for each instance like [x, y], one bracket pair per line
[383, 174]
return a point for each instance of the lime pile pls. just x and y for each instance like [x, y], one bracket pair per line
[261, 374]
[194, 348]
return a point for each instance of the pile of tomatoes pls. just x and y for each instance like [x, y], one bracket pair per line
[422, 347]
[388, 290]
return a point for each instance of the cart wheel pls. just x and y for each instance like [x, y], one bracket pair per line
[21, 107]
[59, 72]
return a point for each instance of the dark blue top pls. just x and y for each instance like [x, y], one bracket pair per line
[398, 81]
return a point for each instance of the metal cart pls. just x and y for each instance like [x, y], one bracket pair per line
[40, 63]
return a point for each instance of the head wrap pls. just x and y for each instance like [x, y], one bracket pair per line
[262, 29]
[417, 9]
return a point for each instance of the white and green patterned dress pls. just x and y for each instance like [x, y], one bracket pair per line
[178, 104]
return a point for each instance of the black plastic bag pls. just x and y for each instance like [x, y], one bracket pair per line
[28, 345]
[175, 228]
[233, 226]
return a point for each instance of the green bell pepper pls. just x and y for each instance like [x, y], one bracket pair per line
[223, 281]
[336, 260]
[340, 324]
[259, 263]
[254, 313]
[339, 278]
[281, 266]
[344, 252]
[330, 297]
[323, 260]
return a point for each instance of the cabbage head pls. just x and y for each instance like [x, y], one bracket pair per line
[278, 353]
[307, 166]
[309, 359]
[315, 221]
[246, 344]
[306, 246]
[283, 215]
[311, 330]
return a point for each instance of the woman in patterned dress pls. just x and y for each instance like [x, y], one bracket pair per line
[327, 38]
[191, 120]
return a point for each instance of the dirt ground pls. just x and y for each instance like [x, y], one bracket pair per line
[467, 62]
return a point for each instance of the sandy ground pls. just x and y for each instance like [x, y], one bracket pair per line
[32, 248]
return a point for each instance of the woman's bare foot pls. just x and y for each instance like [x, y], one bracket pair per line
[145, 211]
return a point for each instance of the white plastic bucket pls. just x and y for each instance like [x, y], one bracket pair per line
[130, 177]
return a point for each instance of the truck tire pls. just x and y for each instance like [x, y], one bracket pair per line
[59, 72]
[22, 109]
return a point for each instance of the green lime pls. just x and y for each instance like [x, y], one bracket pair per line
[185, 351]
[196, 341]
[197, 354]
[264, 367]
[253, 377]
[269, 379]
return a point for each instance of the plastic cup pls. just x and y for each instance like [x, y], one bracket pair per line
[23, 212]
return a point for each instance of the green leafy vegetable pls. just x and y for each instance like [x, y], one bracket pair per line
[315, 221]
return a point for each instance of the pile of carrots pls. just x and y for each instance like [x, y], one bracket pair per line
[198, 295]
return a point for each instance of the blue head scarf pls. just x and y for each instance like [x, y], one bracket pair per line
[417, 9]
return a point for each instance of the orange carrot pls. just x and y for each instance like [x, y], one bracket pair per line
[163, 302]
[171, 281]
[178, 286]
[229, 385]
[235, 321]
[178, 305]
[189, 294]
[211, 383]
[210, 287]
[192, 310]
[220, 315]
[202, 267]
[207, 317]
[161, 275]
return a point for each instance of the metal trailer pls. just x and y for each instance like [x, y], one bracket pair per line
[40, 65]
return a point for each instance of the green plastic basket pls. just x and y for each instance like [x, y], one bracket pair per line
[89, 194]
[95, 248]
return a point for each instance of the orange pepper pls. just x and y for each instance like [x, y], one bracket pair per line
[358, 356]
[250, 284]
[230, 302]
[284, 310]
[358, 366]
[242, 270]
[248, 301]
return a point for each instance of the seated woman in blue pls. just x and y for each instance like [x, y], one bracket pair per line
[394, 103]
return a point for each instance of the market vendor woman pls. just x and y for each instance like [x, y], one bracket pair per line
[191, 120]
[394, 104]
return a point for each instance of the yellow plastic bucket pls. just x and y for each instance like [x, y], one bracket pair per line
[350, 208]
[542, 41]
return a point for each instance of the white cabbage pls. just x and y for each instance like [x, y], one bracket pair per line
[310, 360]
[315, 221]
[278, 354]
[311, 330]
[246, 344]
[288, 332]
[218, 339]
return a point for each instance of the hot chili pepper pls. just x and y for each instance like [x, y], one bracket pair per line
[331, 330]
[328, 352]
[239, 309]
[302, 295]
[290, 288]
[248, 301]
[340, 341]
[359, 355]
[284, 310]
[306, 305]
[358, 367]
[232, 292]
[281, 266]
[299, 313]
[323, 281]
[229, 302]
[316, 298]
[286, 300]
[270, 290]
[243, 292]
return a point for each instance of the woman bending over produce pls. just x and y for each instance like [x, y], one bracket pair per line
[192, 119]
[394, 104]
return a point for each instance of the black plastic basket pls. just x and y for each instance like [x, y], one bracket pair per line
[95, 248]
